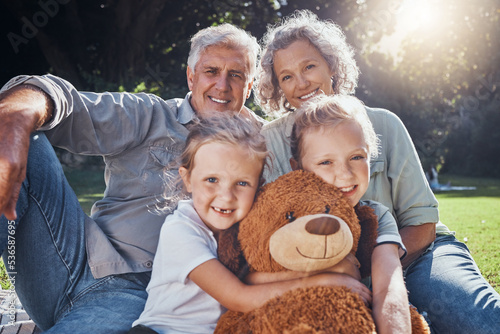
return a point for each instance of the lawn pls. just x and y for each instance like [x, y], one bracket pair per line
[88, 185]
[475, 217]
[473, 214]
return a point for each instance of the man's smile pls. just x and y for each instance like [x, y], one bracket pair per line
[219, 101]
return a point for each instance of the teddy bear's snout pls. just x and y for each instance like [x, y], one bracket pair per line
[311, 242]
[323, 226]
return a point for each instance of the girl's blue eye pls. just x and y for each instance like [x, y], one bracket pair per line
[212, 179]
[286, 77]
[243, 183]
[324, 163]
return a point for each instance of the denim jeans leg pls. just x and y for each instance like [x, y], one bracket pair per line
[49, 241]
[107, 305]
[446, 283]
[48, 260]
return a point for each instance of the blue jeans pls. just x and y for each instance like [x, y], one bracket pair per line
[47, 260]
[446, 283]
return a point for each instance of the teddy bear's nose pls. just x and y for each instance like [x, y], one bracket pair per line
[323, 226]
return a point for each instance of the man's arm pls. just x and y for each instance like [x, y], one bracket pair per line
[23, 109]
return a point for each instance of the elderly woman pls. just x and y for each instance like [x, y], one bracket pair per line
[303, 57]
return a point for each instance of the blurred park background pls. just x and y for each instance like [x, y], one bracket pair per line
[435, 63]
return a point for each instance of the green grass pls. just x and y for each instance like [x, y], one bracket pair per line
[473, 214]
[88, 186]
[475, 217]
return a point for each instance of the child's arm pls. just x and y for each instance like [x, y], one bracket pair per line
[390, 299]
[215, 279]
[349, 266]
[345, 273]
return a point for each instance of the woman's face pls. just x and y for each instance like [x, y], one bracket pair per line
[302, 72]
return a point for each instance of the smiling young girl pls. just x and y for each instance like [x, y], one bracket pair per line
[333, 137]
[221, 169]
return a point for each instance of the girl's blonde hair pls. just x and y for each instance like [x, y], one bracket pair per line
[327, 111]
[326, 36]
[221, 128]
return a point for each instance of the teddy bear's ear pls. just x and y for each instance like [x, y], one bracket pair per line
[368, 239]
[230, 253]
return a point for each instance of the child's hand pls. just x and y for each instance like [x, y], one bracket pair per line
[349, 265]
[336, 279]
[262, 277]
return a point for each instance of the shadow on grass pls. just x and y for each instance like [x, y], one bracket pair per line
[88, 185]
[485, 187]
[480, 192]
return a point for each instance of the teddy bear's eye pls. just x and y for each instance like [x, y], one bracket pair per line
[289, 216]
[327, 209]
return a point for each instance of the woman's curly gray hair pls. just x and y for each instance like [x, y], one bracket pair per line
[328, 39]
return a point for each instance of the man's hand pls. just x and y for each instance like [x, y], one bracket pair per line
[23, 109]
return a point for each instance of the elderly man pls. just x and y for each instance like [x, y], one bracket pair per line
[80, 274]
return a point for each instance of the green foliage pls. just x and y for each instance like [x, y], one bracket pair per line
[473, 147]
[443, 84]
[4, 278]
[442, 80]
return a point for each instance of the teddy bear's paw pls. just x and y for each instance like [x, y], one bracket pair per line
[234, 322]
[418, 323]
[303, 329]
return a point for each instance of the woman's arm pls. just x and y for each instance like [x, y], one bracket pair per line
[390, 299]
[397, 179]
[416, 240]
[216, 280]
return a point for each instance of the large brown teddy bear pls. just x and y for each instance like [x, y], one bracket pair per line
[299, 222]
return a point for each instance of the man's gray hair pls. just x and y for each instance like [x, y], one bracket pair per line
[226, 35]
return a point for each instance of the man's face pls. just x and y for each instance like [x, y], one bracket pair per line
[220, 81]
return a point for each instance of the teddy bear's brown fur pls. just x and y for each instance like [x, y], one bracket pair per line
[302, 198]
